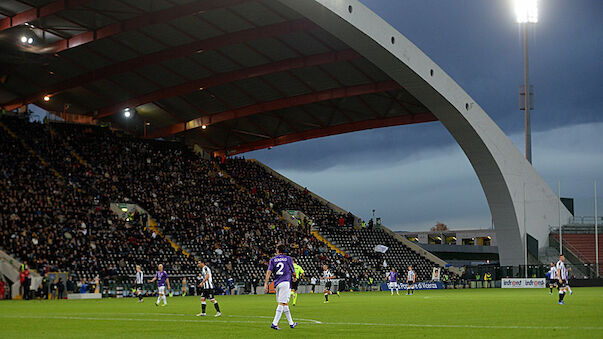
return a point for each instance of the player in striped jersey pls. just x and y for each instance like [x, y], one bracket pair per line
[561, 278]
[552, 275]
[411, 277]
[328, 277]
[207, 290]
[139, 282]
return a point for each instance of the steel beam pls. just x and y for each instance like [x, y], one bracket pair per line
[331, 130]
[41, 12]
[224, 78]
[136, 23]
[299, 100]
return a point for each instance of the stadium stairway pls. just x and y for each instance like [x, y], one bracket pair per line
[328, 243]
[29, 149]
[153, 226]
[405, 248]
[579, 249]
[9, 267]
[68, 147]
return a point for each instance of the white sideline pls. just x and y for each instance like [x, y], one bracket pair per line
[308, 321]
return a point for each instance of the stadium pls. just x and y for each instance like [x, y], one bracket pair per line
[132, 204]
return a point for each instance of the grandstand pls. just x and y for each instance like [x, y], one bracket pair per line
[227, 212]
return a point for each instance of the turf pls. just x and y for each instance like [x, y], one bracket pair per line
[444, 314]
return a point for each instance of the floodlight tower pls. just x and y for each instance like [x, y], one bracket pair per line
[527, 13]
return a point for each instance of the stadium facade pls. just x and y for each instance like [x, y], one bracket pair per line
[252, 75]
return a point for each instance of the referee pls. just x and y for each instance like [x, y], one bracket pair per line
[139, 282]
[299, 273]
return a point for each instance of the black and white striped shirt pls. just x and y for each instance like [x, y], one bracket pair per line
[139, 278]
[562, 270]
[411, 276]
[327, 274]
[208, 284]
[553, 273]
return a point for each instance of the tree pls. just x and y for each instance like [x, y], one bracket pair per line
[439, 226]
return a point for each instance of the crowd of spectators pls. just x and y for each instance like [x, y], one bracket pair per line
[58, 180]
[52, 216]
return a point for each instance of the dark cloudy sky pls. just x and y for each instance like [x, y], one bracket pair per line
[417, 175]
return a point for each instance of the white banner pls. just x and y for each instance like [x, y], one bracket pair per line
[523, 283]
[381, 248]
[435, 275]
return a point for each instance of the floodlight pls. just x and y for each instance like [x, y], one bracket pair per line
[526, 11]
[23, 39]
[203, 126]
[127, 113]
[30, 41]
[47, 98]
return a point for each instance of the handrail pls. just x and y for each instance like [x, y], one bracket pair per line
[573, 250]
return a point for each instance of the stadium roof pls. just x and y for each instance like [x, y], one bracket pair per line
[254, 72]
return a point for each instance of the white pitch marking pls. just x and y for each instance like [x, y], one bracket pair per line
[319, 323]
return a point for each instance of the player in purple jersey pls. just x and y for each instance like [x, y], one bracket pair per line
[284, 274]
[393, 281]
[162, 280]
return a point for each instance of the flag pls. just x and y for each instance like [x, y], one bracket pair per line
[381, 248]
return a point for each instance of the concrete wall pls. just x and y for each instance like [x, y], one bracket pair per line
[517, 196]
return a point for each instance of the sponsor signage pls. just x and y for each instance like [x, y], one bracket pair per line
[523, 283]
[435, 285]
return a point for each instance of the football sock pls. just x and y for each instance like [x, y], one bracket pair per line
[327, 296]
[203, 306]
[278, 314]
[217, 306]
[561, 295]
[164, 300]
[295, 299]
[158, 299]
[569, 289]
[288, 314]
[140, 296]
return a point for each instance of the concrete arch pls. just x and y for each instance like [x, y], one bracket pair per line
[517, 196]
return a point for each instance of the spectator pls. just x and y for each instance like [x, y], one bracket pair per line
[61, 289]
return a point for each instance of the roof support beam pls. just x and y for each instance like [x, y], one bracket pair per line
[224, 78]
[170, 53]
[41, 12]
[332, 130]
[299, 100]
[141, 21]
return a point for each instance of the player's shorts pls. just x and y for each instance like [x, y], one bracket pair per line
[161, 289]
[283, 292]
[328, 285]
[392, 284]
[411, 283]
[562, 284]
[139, 287]
[553, 282]
[294, 285]
[207, 293]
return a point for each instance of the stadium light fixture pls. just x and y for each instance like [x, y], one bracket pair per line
[30, 41]
[203, 126]
[127, 113]
[47, 98]
[526, 11]
[23, 39]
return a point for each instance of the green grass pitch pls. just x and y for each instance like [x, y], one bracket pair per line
[485, 313]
